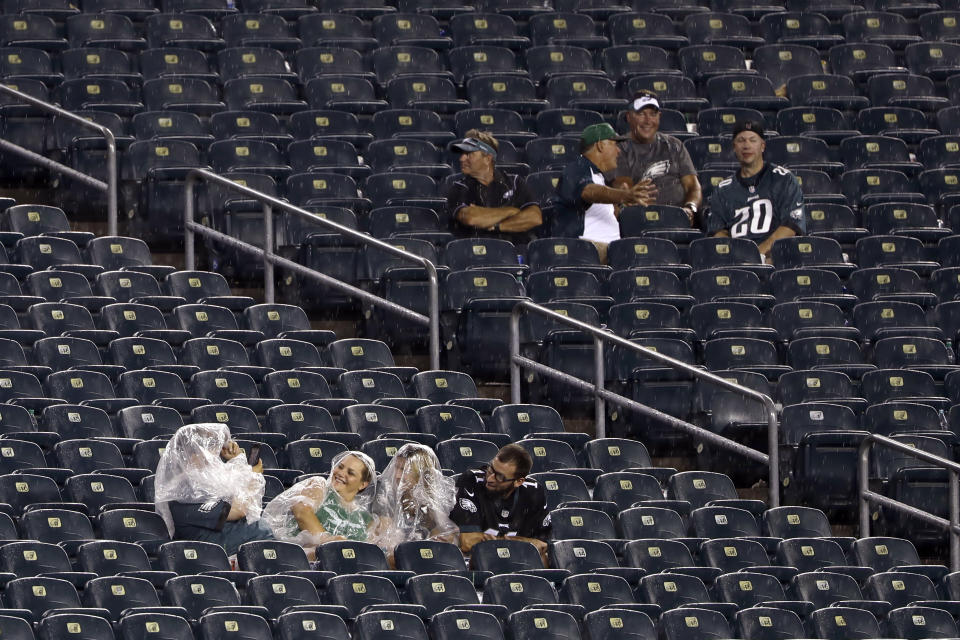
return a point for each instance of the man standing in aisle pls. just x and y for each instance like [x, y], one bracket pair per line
[762, 202]
[656, 158]
[587, 208]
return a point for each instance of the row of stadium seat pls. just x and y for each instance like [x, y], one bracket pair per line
[541, 622]
[194, 26]
[819, 448]
[253, 148]
[900, 585]
[911, 95]
[792, 67]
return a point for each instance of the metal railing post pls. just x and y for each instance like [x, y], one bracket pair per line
[515, 372]
[771, 460]
[865, 496]
[189, 248]
[600, 405]
[773, 451]
[433, 312]
[113, 206]
[863, 483]
[270, 259]
[954, 519]
[268, 244]
[110, 186]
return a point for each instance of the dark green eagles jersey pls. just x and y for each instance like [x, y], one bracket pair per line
[755, 207]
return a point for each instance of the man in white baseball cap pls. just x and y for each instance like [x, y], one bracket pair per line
[655, 158]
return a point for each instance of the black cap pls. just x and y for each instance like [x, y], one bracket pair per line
[748, 125]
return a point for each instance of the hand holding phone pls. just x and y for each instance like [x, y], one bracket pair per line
[253, 455]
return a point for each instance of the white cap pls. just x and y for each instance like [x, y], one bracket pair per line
[645, 101]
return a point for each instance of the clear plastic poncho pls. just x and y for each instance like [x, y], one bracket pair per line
[351, 520]
[191, 470]
[414, 499]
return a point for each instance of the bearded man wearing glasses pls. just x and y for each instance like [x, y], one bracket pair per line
[500, 501]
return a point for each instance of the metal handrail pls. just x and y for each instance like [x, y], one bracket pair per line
[866, 496]
[601, 395]
[270, 259]
[110, 186]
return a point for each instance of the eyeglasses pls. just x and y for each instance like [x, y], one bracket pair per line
[499, 477]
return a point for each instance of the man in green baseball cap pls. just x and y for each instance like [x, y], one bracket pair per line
[597, 133]
[586, 207]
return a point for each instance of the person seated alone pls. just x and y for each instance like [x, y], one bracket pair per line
[762, 202]
[485, 201]
[500, 501]
[206, 490]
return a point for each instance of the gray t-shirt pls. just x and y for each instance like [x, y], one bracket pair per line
[665, 161]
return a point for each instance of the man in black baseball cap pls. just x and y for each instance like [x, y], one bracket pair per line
[761, 202]
[656, 159]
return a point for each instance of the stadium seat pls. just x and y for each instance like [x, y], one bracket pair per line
[729, 284]
[900, 122]
[145, 528]
[879, 27]
[595, 591]
[34, 30]
[88, 627]
[761, 623]
[905, 90]
[42, 595]
[899, 588]
[217, 624]
[542, 624]
[293, 624]
[808, 27]
[170, 626]
[579, 556]
[751, 589]
[670, 591]
[278, 592]
[833, 354]
[16, 627]
[860, 60]
[840, 622]
[125, 595]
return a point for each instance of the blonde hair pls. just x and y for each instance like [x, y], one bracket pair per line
[485, 137]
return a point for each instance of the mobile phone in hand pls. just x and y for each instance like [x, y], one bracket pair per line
[253, 455]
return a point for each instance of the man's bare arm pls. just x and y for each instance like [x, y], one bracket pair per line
[468, 540]
[637, 194]
[524, 220]
[691, 189]
[539, 544]
[691, 193]
[509, 218]
[723, 233]
[485, 217]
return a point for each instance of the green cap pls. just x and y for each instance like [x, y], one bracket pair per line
[597, 132]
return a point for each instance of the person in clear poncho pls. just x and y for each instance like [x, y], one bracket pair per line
[413, 500]
[318, 510]
[205, 489]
